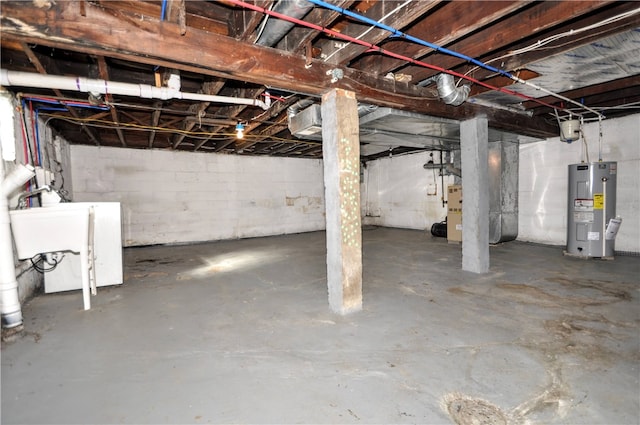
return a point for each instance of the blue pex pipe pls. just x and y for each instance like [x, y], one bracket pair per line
[398, 33]
[65, 102]
[164, 10]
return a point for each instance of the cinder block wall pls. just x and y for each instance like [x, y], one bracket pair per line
[179, 197]
[399, 192]
[395, 189]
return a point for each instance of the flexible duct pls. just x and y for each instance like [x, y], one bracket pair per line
[10, 304]
[95, 86]
[449, 93]
[275, 29]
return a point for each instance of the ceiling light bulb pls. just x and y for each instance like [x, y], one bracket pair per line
[239, 130]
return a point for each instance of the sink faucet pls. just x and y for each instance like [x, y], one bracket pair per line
[22, 199]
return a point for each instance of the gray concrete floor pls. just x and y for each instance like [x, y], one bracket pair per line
[240, 332]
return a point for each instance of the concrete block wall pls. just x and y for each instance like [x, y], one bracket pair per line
[544, 180]
[179, 197]
[399, 192]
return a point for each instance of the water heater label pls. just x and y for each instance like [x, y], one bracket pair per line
[583, 204]
[583, 217]
[593, 236]
[598, 201]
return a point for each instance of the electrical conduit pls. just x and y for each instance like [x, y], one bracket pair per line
[96, 86]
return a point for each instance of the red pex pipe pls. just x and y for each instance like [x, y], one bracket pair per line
[375, 48]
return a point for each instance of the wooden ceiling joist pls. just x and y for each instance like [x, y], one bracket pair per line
[102, 33]
[534, 20]
[104, 74]
[38, 65]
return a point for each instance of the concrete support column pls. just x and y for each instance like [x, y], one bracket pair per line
[341, 155]
[474, 146]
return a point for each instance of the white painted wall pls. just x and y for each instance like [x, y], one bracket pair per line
[396, 192]
[544, 175]
[178, 197]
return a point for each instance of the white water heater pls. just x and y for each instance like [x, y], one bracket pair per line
[592, 210]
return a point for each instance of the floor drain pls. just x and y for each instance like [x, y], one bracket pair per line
[472, 411]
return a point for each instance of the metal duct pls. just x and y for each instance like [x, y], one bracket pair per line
[449, 93]
[293, 110]
[275, 29]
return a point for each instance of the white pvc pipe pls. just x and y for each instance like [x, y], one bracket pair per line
[9, 302]
[96, 86]
[19, 176]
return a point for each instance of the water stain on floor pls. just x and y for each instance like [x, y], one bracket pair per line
[465, 410]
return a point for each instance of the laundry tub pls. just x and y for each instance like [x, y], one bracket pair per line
[59, 228]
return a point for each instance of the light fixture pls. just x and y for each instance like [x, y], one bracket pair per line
[240, 130]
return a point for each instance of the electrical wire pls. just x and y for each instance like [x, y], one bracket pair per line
[264, 22]
[69, 102]
[397, 33]
[191, 134]
[402, 6]
[42, 258]
[374, 48]
[540, 43]
[441, 49]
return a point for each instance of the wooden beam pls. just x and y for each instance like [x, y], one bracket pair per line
[298, 37]
[155, 119]
[263, 135]
[202, 142]
[447, 24]
[578, 39]
[400, 19]
[143, 10]
[540, 17]
[133, 118]
[594, 95]
[223, 144]
[197, 109]
[243, 23]
[102, 33]
[176, 12]
[103, 70]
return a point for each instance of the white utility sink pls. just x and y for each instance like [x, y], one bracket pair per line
[62, 227]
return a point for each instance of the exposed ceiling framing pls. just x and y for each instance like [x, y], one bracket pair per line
[212, 46]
